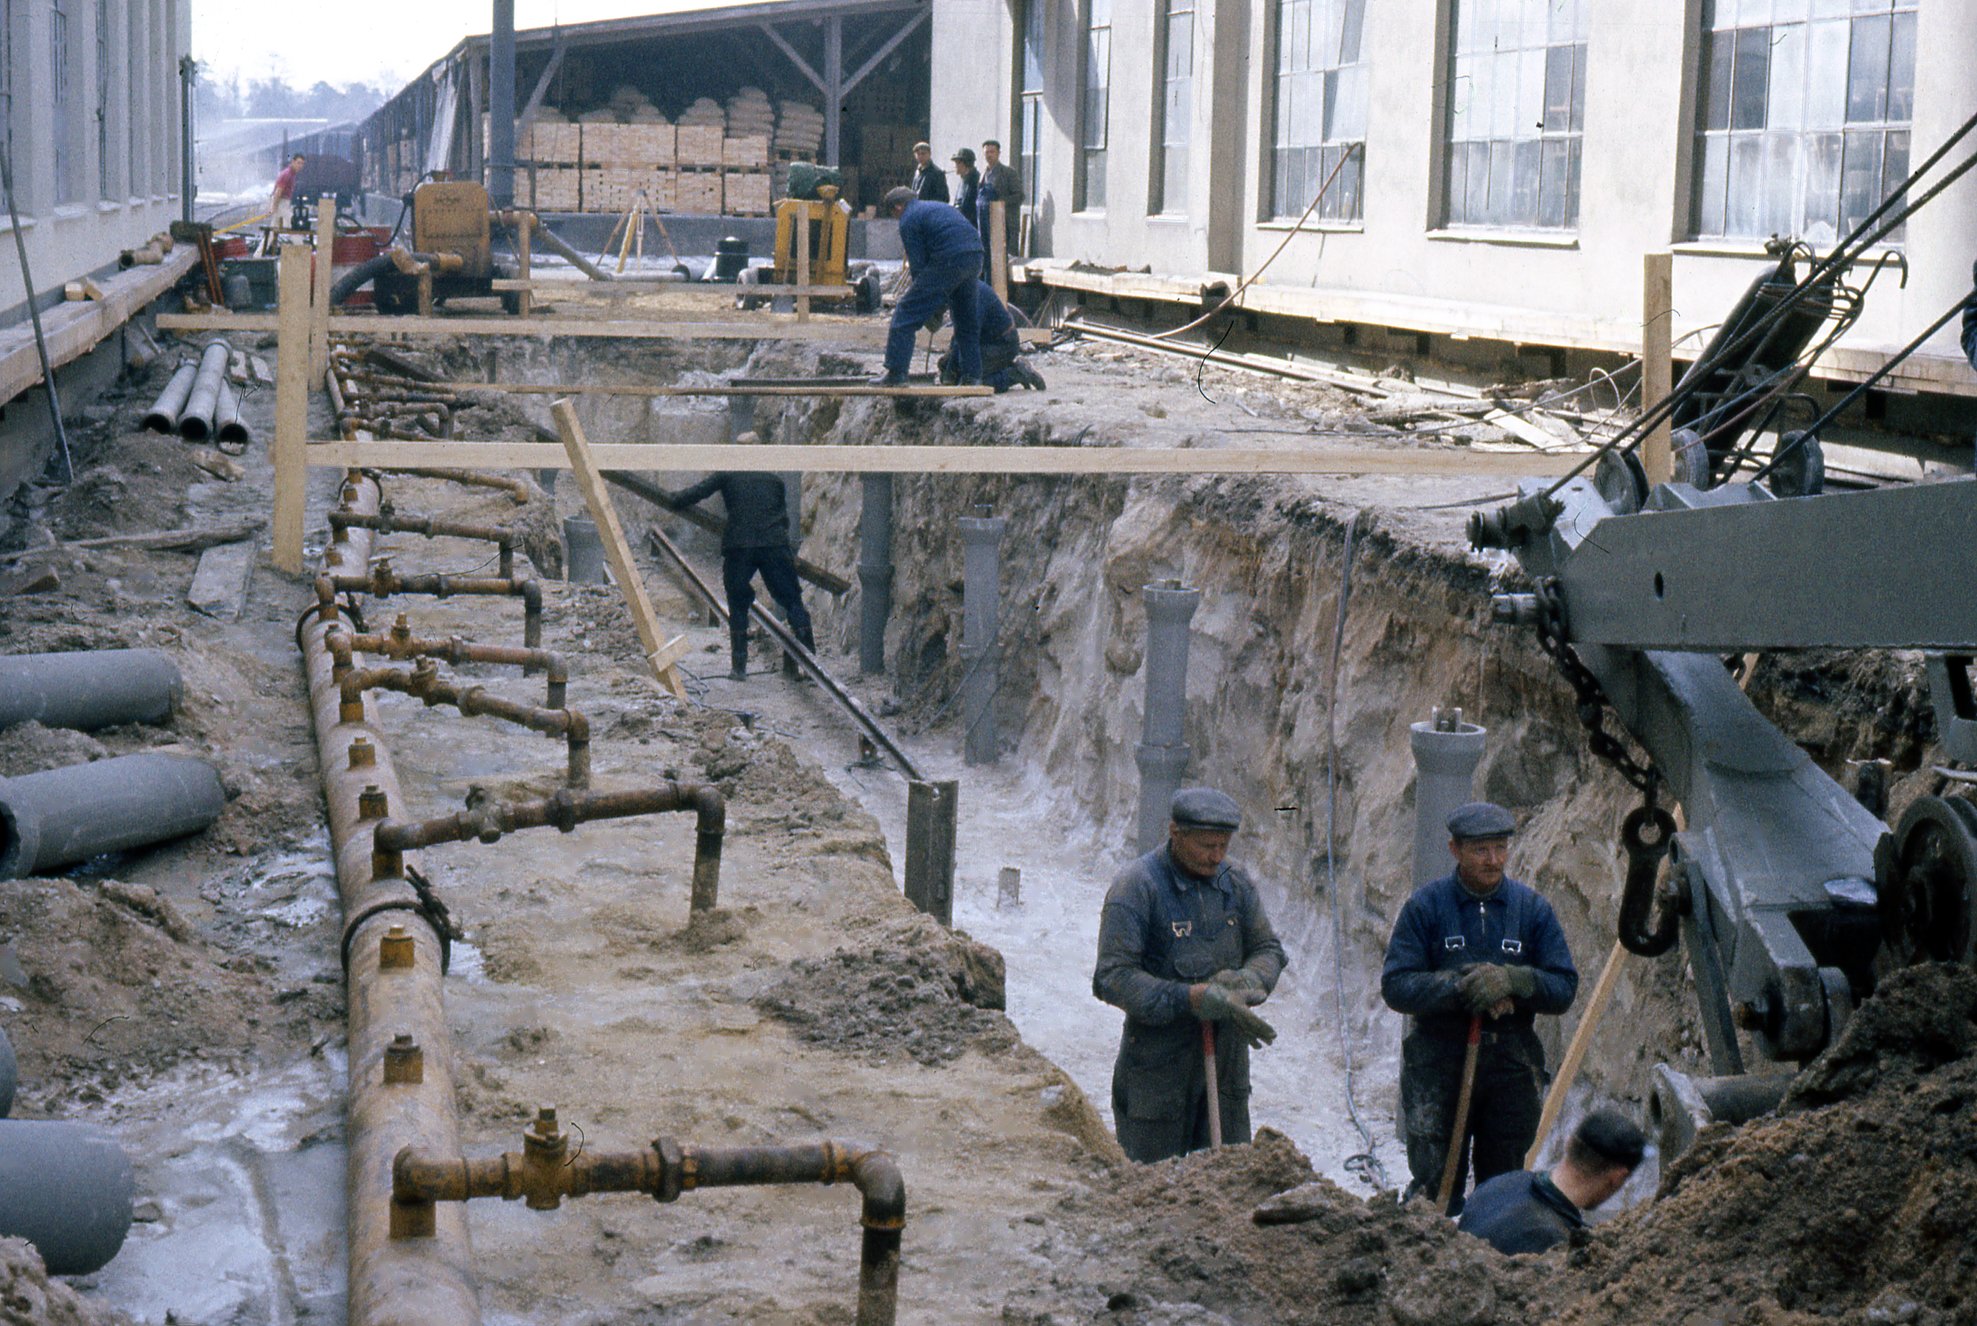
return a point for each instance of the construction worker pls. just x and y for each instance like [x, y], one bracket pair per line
[1002, 348]
[929, 181]
[756, 539]
[1000, 183]
[944, 255]
[1525, 1211]
[284, 190]
[1474, 949]
[1183, 945]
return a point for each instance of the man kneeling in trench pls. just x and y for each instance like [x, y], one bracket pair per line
[1526, 1211]
[1183, 945]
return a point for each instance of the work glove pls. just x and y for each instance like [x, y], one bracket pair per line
[1523, 981]
[1217, 1004]
[1243, 983]
[1483, 987]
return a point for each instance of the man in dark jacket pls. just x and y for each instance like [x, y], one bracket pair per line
[1000, 183]
[1002, 365]
[1970, 320]
[756, 539]
[1474, 946]
[944, 254]
[971, 183]
[1183, 942]
[929, 180]
[1525, 1211]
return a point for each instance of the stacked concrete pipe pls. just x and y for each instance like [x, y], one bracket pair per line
[195, 422]
[88, 689]
[61, 816]
[164, 412]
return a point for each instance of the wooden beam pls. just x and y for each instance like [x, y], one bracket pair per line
[999, 249]
[803, 266]
[660, 652]
[760, 327]
[291, 406]
[1418, 461]
[892, 44]
[1657, 372]
[783, 45]
[722, 290]
[737, 389]
[542, 84]
[319, 288]
[524, 264]
[73, 330]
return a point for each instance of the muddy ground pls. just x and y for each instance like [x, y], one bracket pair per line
[189, 997]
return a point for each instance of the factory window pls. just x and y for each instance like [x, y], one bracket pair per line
[1093, 113]
[1320, 108]
[103, 172]
[61, 102]
[7, 85]
[1029, 119]
[1170, 173]
[1516, 98]
[1805, 115]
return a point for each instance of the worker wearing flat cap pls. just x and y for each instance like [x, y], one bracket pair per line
[1183, 942]
[1474, 945]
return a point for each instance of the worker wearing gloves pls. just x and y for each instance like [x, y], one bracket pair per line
[1525, 1211]
[1474, 944]
[756, 539]
[1183, 941]
[944, 254]
[1002, 366]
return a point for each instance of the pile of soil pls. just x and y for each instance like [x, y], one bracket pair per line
[29, 1298]
[912, 991]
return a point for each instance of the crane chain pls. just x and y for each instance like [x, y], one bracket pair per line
[1591, 701]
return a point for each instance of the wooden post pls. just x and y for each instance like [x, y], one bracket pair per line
[425, 290]
[291, 405]
[319, 301]
[930, 817]
[802, 217]
[999, 249]
[1575, 1054]
[1657, 373]
[661, 653]
[525, 262]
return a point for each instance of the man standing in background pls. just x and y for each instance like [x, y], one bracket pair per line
[929, 181]
[971, 183]
[1000, 183]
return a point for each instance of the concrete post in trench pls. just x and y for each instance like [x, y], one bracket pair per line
[931, 813]
[1446, 753]
[583, 551]
[981, 576]
[1161, 754]
[874, 571]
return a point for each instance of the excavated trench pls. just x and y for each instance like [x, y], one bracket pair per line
[817, 1004]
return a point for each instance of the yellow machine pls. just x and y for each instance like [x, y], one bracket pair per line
[829, 220]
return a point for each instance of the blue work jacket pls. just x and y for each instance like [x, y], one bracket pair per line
[934, 234]
[1522, 1211]
[1444, 928]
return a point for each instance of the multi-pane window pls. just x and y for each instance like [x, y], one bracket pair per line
[1517, 98]
[1029, 114]
[1805, 115]
[61, 101]
[1093, 113]
[1170, 181]
[103, 98]
[1320, 108]
[7, 82]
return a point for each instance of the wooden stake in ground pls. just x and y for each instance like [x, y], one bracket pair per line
[1657, 372]
[319, 300]
[661, 653]
[802, 219]
[525, 261]
[999, 249]
[291, 406]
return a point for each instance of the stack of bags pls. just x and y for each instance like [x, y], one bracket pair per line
[750, 114]
[704, 113]
[799, 129]
[634, 107]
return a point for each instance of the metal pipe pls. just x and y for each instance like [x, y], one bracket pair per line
[1446, 752]
[229, 428]
[583, 552]
[382, 582]
[164, 413]
[195, 422]
[388, 521]
[1161, 754]
[544, 1173]
[1680, 1106]
[501, 107]
[518, 489]
[550, 240]
[874, 571]
[88, 688]
[423, 682]
[66, 1188]
[61, 816]
[391, 1283]
[981, 574]
[400, 643]
[486, 821]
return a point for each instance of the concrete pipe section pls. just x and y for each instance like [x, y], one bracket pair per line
[66, 1188]
[62, 816]
[164, 413]
[981, 583]
[195, 424]
[583, 552]
[88, 689]
[1446, 753]
[1161, 754]
[874, 571]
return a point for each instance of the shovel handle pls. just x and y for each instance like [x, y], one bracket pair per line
[1457, 1135]
[1214, 1090]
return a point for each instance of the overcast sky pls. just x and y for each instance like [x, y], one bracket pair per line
[370, 41]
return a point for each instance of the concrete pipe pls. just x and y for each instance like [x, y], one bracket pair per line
[229, 428]
[1446, 753]
[1161, 754]
[1680, 1106]
[66, 1188]
[583, 552]
[195, 423]
[981, 584]
[62, 816]
[165, 411]
[874, 572]
[88, 689]
[9, 1076]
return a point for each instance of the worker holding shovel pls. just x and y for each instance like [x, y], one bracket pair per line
[1475, 956]
[1185, 949]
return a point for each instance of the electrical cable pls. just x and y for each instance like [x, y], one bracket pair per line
[1368, 1161]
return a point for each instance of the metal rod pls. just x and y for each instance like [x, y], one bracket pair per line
[387, 521]
[34, 316]
[423, 682]
[400, 643]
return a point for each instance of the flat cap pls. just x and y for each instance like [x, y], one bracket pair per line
[1205, 808]
[966, 154]
[1481, 819]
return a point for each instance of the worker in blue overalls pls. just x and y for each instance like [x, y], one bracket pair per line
[944, 254]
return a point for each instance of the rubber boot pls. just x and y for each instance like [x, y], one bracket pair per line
[738, 660]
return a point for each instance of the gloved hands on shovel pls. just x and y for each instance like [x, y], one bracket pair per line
[1242, 982]
[1488, 988]
[1217, 1003]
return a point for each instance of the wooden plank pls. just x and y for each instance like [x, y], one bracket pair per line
[1568, 1071]
[999, 249]
[73, 330]
[758, 327]
[724, 291]
[735, 389]
[803, 266]
[1657, 371]
[291, 406]
[524, 264]
[319, 288]
[660, 652]
[1453, 461]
